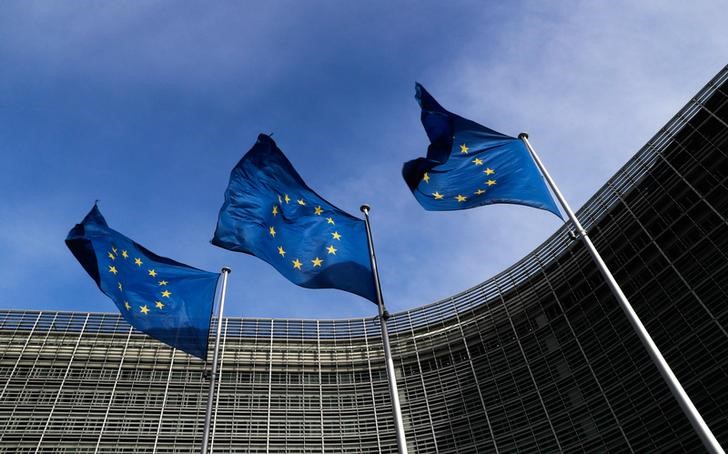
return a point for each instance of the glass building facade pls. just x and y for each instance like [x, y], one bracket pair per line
[539, 358]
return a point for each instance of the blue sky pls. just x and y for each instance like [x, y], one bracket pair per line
[147, 106]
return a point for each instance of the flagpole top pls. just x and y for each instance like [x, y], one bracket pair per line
[226, 269]
[523, 135]
[364, 208]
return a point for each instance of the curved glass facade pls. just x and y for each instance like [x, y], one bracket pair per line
[538, 358]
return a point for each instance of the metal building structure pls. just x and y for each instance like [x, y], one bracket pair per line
[539, 358]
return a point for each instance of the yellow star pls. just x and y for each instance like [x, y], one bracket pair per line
[159, 304]
[461, 198]
[166, 293]
[426, 177]
[301, 202]
[114, 249]
[127, 305]
[331, 249]
[318, 211]
[477, 162]
[138, 261]
[336, 235]
[272, 232]
[479, 191]
[112, 269]
[437, 195]
[125, 254]
[491, 182]
[152, 273]
[144, 309]
[287, 199]
[464, 149]
[281, 251]
[111, 256]
[317, 262]
[275, 210]
[330, 221]
[163, 282]
[489, 171]
[297, 264]
[121, 288]
[280, 200]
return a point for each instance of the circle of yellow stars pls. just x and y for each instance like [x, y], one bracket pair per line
[461, 197]
[143, 309]
[317, 262]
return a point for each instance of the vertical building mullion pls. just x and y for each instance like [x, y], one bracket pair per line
[113, 390]
[352, 378]
[422, 381]
[270, 388]
[63, 381]
[254, 403]
[371, 386]
[336, 384]
[320, 383]
[219, 382]
[164, 400]
[20, 355]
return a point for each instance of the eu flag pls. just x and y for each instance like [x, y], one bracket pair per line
[469, 165]
[168, 300]
[270, 213]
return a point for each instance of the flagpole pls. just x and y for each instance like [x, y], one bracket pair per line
[383, 316]
[208, 415]
[706, 436]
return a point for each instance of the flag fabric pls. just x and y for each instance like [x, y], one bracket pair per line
[469, 165]
[270, 213]
[168, 300]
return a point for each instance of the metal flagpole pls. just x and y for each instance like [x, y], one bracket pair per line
[211, 392]
[706, 436]
[383, 316]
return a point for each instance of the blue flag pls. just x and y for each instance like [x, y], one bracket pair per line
[270, 213]
[168, 300]
[469, 165]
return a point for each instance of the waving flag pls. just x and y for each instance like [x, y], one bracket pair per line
[469, 165]
[168, 300]
[270, 213]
